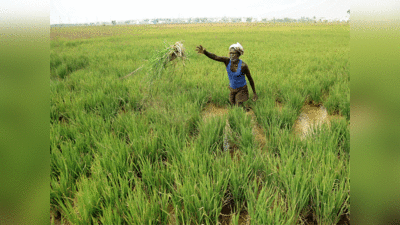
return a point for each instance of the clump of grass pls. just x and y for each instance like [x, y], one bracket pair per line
[175, 51]
[63, 65]
[160, 59]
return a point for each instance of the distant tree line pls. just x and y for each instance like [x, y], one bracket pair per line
[201, 20]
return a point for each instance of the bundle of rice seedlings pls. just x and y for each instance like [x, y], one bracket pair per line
[176, 50]
[160, 59]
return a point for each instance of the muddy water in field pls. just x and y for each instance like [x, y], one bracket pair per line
[311, 119]
[311, 220]
[244, 219]
[228, 210]
[55, 219]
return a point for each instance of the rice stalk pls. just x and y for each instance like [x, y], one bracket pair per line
[160, 59]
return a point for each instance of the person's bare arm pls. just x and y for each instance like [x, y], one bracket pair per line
[246, 71]
[210, 55]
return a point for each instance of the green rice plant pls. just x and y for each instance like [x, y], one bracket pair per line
[158, 62]
[295, 100]
[191, 123]
[327, 172]
[55, 62]
[109, 99]
[284, 92]
[339, 99]
[320, 155]
[110, 215]
[86, 207]
[320, 133]
[67, 210]
[332, 103]
[67, 162]
[180, 113]
[334, 138]
[347, 204]
[264, 111]
[61, 66]
[236, 116]
[63, 133]
[279, 128]
[272, 127]
[114, 155]
[202, 197]
[275, 118]
[115, 187]
[341, 127]
[86, 133]
[235, 218]
[265, 205]
[241, 128]
[252, 166]
[200, 184]
[328, 80]
[154, 175]
[174, 143]
[143, 208]
[62, 189]
[196, 93]
[74, 43]
[329, 196]
[211, 135]
[129, 127]
[241, 174]
[344, 135]
[345, 105]
[315, 92]
[294, 179]
[140, 135]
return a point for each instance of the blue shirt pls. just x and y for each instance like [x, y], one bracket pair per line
[236, 79]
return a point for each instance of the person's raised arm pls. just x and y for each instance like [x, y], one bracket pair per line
[210, 55]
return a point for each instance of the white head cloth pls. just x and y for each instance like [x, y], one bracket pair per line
[237, 47]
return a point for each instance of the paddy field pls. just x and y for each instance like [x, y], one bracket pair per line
[167, 148]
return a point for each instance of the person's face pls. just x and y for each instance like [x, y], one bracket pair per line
[233, 55]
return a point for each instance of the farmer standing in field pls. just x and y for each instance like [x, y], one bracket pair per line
[237, 70]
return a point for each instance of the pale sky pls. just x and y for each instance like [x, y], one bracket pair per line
[85, 11]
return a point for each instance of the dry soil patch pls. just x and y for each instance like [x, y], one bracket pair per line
[212, 110]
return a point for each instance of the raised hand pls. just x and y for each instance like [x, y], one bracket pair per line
[200, 49]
